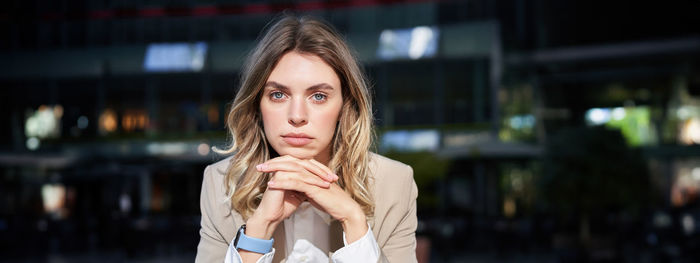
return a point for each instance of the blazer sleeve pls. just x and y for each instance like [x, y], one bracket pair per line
[212, 244]
[401, 245]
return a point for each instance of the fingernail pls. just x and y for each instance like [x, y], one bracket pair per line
[270, 183]
[260, 166]
[335, 176]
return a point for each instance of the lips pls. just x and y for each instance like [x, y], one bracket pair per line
[297, 139]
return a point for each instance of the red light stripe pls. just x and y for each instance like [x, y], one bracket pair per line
[101, 14]
[307, 6]
[205, 11]
[256, 9]
[152, 12]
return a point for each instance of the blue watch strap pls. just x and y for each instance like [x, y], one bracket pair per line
[257, 245]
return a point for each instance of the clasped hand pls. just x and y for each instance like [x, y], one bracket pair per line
[294, 181]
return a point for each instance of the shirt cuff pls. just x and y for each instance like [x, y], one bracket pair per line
[232, 256]
[364, 249]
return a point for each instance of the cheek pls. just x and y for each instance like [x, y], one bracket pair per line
[271, 119]
[329, 120]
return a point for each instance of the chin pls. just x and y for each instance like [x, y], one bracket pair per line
[299, 153]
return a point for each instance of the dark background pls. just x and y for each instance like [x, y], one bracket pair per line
[540, 131]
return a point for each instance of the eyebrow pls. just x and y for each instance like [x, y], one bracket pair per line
[320, 86]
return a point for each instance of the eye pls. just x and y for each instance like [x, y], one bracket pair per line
[276, 95]
[319, 97]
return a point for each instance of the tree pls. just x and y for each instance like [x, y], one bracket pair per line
[590, 172]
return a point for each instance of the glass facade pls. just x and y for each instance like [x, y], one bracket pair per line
[555, 131]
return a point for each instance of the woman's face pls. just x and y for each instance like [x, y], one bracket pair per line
[300, 106]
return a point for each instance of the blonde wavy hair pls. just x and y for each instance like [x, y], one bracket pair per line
[351, 142]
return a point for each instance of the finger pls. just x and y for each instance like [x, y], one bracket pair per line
[302, 177]
[325, 169]
[289, 181]
[263, 167]
[278, 165]
[284, 158]
[317, 168]
[295, 165]
[286, 184]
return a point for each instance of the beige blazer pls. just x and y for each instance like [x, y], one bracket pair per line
[394, 222]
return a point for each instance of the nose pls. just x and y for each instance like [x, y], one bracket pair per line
[297, 113]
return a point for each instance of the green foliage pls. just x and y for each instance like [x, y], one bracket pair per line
[635, 126]
[516, 100]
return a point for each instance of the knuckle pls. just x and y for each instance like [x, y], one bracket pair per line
[309, 163]
[282, 176]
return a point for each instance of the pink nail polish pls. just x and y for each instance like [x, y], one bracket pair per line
[260, 166]
[270, 183]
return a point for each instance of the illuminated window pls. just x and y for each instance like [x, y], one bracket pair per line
[53, 197]
[686, 183]
[411, 141]
[134, 120]
[168, 57]
[108, 121]
[412, 43]
[44, 122]
[690, 131]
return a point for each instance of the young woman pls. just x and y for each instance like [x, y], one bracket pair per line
[301, 183]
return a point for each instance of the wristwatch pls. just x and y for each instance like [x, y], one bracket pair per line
[257, 245]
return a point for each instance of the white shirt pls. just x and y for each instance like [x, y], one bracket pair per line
[306, 232]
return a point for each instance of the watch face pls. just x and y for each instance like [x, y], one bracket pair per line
[238, 236]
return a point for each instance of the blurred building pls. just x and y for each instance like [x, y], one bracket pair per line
[549, 129]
